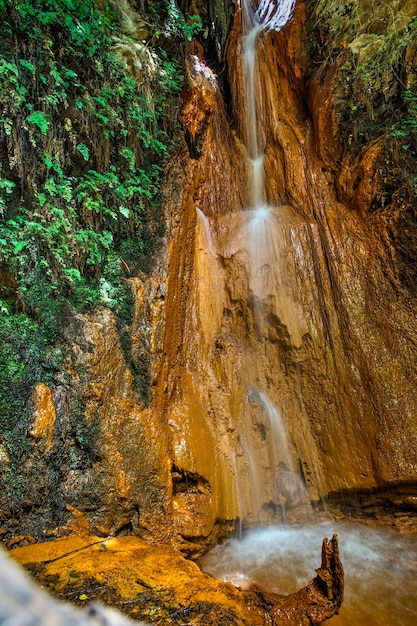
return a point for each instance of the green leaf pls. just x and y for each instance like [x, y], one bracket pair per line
[19, 245]
[39, 119]
[7, 185]
[29, 66]
[69, 73]
[42, 199]
[48, 17]
[129, 156]
[124, 211]
[84, 151]
[73, 275]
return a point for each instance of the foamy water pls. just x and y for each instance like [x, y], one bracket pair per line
[380, 568]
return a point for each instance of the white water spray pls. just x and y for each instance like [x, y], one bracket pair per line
[380, 568]
[273, 15]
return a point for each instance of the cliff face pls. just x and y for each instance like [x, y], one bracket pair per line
[312, 333]
[281, 344]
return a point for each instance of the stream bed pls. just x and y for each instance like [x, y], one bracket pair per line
[380, 567]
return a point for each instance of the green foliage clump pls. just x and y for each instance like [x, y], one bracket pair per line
[177, 23]
[84, 136]
[85, 143]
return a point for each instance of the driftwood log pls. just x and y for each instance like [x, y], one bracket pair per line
[311, 605]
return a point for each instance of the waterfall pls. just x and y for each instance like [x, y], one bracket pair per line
[270, 15]
[265, 249]
[246, 319]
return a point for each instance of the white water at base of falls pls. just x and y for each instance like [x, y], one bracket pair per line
[380, 568]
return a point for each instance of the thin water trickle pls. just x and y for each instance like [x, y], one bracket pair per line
[207, 234]
[380, 568]
[270, 15]
[253, 109]
[264, 251]
[279, 437]
[254, 477]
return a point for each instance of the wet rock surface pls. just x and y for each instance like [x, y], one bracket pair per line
[153, 584]
[159, 586]
[317, 320]
[394, 506]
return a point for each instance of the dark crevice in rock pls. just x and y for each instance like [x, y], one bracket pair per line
[391, 503]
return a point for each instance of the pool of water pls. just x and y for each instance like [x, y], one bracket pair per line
[380, 568]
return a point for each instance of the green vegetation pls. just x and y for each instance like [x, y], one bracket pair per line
[371, 46]
[377, 83]
[88, 107]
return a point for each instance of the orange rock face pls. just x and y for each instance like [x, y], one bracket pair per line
[158, 585]
[318, 329]
[44, 415]
[155, 584]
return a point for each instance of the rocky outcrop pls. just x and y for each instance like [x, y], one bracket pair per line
[97, 441]
[152, 583]
[158, 585]
[44, 415]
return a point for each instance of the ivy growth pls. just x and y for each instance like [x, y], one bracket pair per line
[68, 209]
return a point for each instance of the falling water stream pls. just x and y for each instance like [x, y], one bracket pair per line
[380, 564]
[270, 15]
[265, 251]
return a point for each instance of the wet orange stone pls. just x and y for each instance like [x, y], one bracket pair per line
[137, 578]
[44, 414]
